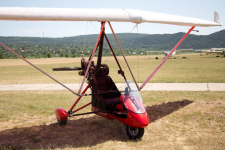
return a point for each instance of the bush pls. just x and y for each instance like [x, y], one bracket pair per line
[61, 54]
[2, 56]
[67, 55]
[49, 55]
[74, 55]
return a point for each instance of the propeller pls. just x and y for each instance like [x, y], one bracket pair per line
[66, 69]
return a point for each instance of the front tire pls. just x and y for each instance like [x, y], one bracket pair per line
[134, 133]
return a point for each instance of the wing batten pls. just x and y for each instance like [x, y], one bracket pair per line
[113, 15]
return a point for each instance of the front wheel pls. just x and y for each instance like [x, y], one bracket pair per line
[134, 133]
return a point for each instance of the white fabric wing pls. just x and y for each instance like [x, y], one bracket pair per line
[113, 15]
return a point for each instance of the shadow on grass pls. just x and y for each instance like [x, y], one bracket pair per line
[80, 132]
[156, 112]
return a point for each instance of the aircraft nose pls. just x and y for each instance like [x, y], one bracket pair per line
[144, 120]
[141, 120]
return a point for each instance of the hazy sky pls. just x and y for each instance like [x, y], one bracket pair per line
[203, 9]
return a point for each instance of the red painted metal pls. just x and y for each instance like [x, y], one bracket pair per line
[135, 120]
[61, 114]
[100, 34]
[82, 107]
[135, 117]
[146, 81]
[79, 97]
[39, 69]
[119, 106]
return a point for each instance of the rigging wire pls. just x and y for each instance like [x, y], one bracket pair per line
[85, 38]
[84, 47]
[137, 51]
[94, 27]
[129, 33]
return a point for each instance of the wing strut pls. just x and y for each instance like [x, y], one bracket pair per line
[123, 55]
[146, 81]
[39, 69]
[90, 59]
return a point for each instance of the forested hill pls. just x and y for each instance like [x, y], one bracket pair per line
[146, 42]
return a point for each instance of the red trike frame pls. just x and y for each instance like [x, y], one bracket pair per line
[62, 114]
[102, 33]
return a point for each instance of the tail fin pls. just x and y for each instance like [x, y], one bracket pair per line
[217, 18]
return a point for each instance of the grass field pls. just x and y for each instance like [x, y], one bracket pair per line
[178, 120]
[195, 68]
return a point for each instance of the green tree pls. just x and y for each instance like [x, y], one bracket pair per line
[67, 55]
[1, 56]
[74, 55]
[61, 54]
[49, 55]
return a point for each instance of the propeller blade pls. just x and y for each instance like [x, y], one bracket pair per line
[66, 69]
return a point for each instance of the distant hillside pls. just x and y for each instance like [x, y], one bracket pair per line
[147, 41]
[167, 41]
[74, 46]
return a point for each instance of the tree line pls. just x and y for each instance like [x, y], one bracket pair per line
[77, 46]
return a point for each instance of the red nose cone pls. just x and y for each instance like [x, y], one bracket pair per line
[61, 114]
[141, 120]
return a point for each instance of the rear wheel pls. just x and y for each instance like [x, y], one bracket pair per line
[134, 133]
[62, 123]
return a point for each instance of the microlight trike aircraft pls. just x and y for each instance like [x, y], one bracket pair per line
[107, 101]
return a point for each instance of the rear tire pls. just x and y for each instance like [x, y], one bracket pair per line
[134, 133]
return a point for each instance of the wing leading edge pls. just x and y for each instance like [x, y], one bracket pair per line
[113, 15]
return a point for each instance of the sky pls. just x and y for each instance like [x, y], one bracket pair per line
[202, 9]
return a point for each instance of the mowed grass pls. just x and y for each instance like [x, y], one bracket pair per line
[193, 69]
[178, 120]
